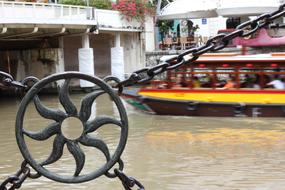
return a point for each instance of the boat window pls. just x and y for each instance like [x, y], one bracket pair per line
[250, 81]
[224, 73]
[202, 76]
[249, 77]
[216, 75]
[271, 73]
[179, 78]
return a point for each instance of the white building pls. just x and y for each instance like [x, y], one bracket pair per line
[214, 15]
[39, 39]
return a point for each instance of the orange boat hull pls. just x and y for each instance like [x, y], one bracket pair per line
[215, 103]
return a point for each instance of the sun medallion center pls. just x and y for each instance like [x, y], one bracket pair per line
[72, 128]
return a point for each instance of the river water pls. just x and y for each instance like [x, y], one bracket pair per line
[163, 152]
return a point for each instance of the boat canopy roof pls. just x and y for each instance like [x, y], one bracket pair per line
[189, 9]
[185, 9]
[232, 8]
[234, 57]
[276, 57]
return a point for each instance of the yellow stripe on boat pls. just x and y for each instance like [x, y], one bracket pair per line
[263, 97]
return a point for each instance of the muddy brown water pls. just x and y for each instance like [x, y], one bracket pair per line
[162, 152]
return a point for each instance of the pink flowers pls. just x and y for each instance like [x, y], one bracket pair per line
[133, 9]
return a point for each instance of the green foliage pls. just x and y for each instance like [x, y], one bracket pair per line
[101, 4]
[72, 2]
[165, 26]
[163, 2]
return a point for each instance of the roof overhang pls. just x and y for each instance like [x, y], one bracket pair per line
[245, 11]
[232, 8]
[185, 9]
[33, 31]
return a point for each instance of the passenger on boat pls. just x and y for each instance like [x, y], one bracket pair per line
[230, 83]
[252, 81]
[256, 83]
[180, 81]
[196, 82]
[208, 81]
[277, 83]
[248, 82]
[183, 82]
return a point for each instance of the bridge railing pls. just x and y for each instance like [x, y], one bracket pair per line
[30, 10]
[112, 20]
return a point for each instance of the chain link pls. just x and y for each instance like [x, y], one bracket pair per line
[8, 80]
[214, 44]
[121, 167]
[15, 181]
[128, 182]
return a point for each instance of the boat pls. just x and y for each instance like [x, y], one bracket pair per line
[262, 39]
[251, 93]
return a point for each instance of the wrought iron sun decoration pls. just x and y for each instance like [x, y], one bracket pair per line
[59, 116]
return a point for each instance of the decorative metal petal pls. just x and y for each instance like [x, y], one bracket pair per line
[65, 99]
[100, 121]
[57, 150]
[78, 155]
[52, 129]
[96, 143]
[48, 113]
[86, 105]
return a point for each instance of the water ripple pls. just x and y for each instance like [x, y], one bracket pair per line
[170, 153]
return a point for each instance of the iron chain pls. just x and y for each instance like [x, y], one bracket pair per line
[214, 44]
[8, 80]
[15, 181]
[128, 182]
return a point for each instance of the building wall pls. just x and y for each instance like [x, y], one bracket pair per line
[149, 35]
[71, 46]
[31, 62]
[134, 54]
[210, 26]
[101, 44]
